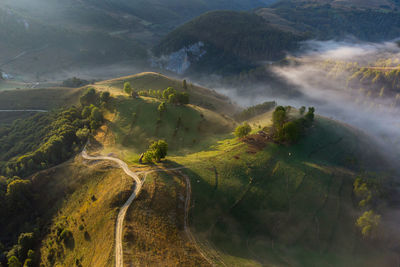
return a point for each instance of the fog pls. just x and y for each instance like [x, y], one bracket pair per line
[377, 116]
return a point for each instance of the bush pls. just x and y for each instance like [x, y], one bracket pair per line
[291, 132]
[368, 223]
[89, 97]
[14, 262]
[105, 97]
[157, 151]
[128, 88]
[279, 117]
[242, 130]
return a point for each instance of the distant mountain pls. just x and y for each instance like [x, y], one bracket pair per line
[334, 21]
[92, 33]
[223, 41]
[372, 4]
[234, 42]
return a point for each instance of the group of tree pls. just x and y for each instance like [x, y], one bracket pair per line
[157, 150]
[287, 129]
[169, 95]
[66, 132]
[255, 110]
[32, 144]
[75, 82]
[367, 191]
[22, 253]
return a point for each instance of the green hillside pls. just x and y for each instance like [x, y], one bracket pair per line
[200, 96]
[285, 205]
[255, 200]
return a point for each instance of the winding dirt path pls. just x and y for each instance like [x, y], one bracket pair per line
[119, 253]
[186, 221]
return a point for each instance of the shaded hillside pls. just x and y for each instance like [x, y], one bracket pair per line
[332, 22]
[293, 205]
[225, 41]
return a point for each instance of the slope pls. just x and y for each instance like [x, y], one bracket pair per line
[275, 205]
[228, 42]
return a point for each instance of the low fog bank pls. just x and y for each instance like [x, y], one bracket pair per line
[377, 116]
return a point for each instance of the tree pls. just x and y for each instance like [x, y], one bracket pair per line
[310, 114]
[302, 110]
[173, 99]
[167, 92]
[161, 108]
[14, 262]
[18, 193]
[148, 156]
[105, 96]
[25, 243]
[160, 149]
[157, 151]
[242, 130]
[128, 88]
[96, 115]
[86, 112]
[89, 97]
[290, 132]
[279, 117]
[83, 134]
[28, 263]
[184, 85]
[368, 223]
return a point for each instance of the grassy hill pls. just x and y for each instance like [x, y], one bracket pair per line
[284, 205]
[200, 96]
[254, 202]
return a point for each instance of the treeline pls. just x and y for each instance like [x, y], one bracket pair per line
[289, 129]
[29, 145]
[41, 141]
[255, 110]
[169, 95]
[75, 82]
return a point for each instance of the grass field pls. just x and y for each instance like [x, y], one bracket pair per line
[135, 123]
[283, 205]
[199, 96]
[154, 233]
[89, 210]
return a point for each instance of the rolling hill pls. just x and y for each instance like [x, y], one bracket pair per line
[254, 201]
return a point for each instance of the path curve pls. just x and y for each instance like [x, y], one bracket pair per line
[119, 253]
[186, 221]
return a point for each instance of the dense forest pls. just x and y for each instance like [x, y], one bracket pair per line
[30, 145]
[249, 38]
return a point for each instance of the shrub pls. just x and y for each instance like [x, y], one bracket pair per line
[157, 151]
[105, 97]
[128, 88]
[368, 223]
[242, 130]
[14, 262]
